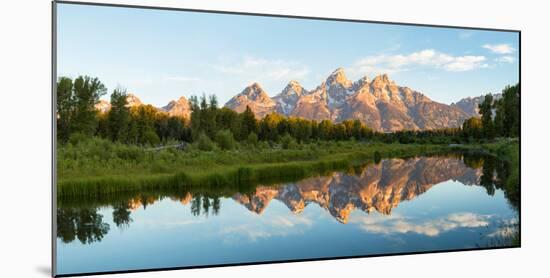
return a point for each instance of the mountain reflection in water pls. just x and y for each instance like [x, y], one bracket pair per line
[375, 187]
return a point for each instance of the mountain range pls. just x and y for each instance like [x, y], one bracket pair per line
[379, 103]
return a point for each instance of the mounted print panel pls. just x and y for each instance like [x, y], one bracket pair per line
[187, 138]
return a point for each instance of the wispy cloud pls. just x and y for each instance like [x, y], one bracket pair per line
[424, 58]
[506, 59]
[278, 226]
[398, 224]
[263, 69]
[503, 48]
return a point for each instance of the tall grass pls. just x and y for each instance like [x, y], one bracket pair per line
[95, 166]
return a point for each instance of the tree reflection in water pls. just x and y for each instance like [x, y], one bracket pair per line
[121, 215]
[82, 223]
[81, 219]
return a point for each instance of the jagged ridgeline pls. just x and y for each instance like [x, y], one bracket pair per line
[380, 104]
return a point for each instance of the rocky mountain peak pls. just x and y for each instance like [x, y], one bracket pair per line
[255, 92]
[364, 79]
[338, 77]
[255, 98]
[293, 83]
[133, 100]
[180, 107]
[293, 88]
[357, 85]
[382, 79]
[338, 88]
[286, 100]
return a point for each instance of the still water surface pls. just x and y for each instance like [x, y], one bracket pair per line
[396, 206]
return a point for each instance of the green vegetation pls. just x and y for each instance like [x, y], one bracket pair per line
[144, 125]
[509, 181]
[75, 105]
[498, 117]
[509, 153]
[139, 125]
[94, 166]
[225, 140]
[111, 152]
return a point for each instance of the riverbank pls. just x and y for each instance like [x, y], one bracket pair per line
[508, 151]
[96, 166]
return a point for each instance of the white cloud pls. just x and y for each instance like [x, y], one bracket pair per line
[264, 228]
[506, 59]
[424, 58]
[398, 224]
[263, 69]
[465, 63]
[503, 48]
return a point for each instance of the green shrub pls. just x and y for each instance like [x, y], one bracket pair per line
[151, 138]
[158, 166]
[78, 138]
[225, 140]
[252, 139]
[204, 143]
[263, 145]
[288, 142]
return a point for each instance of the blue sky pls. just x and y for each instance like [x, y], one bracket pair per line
[161, 55]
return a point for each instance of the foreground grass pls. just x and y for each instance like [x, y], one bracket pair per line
[98, 166]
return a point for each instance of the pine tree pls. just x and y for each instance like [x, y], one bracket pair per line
[87, 92]
[248, 123]
[486, 111]
[65, 108]
[511, 107]
[119, 116]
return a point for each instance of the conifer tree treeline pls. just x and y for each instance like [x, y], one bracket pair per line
[145, 124]
[77, 114]
[499, 117]
[208, 119]
[75, 105]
